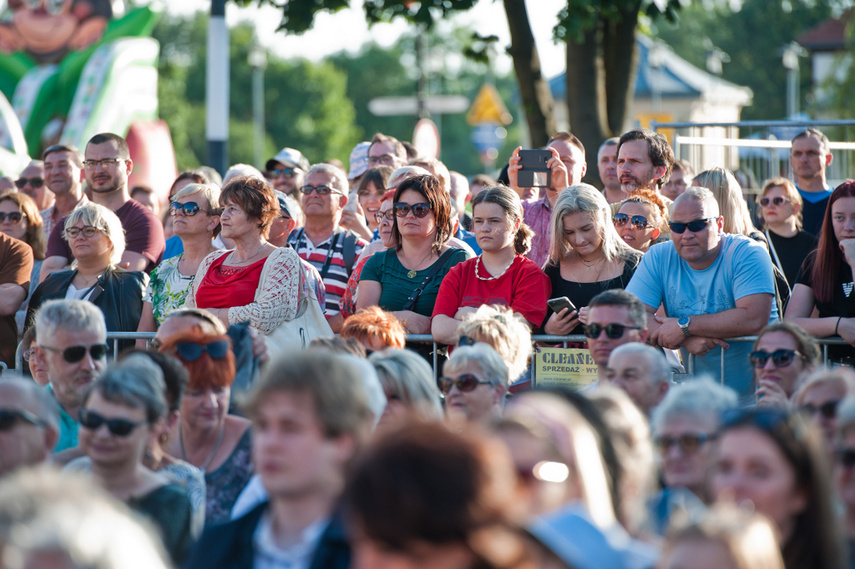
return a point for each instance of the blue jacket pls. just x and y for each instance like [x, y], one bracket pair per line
[229, 545]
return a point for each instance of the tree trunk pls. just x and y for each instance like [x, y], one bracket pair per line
[620, 54]
[534, 90]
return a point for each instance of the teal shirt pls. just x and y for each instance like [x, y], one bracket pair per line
[386, 269]
[67, 428]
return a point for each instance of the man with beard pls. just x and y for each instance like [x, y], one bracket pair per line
[107, 166]
[644, 160]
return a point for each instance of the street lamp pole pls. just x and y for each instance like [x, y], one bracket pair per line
[258, 61]
[217, 88]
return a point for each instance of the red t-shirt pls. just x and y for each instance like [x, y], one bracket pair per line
[224, 286]
[143, 235]
[16, 264]
[523, 287]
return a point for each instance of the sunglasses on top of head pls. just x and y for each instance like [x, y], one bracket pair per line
[190, 352]
[637, 221]
[418, 209]
[693, 226]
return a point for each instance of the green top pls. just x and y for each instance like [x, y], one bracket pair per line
[168, 289]
[386, 269]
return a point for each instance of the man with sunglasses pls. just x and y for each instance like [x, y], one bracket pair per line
[71, 337]
[29, 423]
[64, 178]
[287, 170]
[327, 246]
[107, 167]
[32, 182]
[615, 318]
[713, 286]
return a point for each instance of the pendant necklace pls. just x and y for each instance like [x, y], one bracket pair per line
[411, 274]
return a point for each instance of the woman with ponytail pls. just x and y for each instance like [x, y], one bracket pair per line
[501, 275]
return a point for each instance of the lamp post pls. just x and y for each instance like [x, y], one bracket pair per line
[791, 54]
[258, 61]
[217, 88]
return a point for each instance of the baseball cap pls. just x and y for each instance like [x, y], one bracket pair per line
[290, 158]
[358, 160]
[286, 204]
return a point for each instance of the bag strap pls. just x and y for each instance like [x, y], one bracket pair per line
[349, 251]
[414, 297]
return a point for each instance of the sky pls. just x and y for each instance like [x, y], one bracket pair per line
[347, 29]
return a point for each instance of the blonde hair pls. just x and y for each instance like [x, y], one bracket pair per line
[586, 198]
[790, 191]
[842, 377]
[94, 215]
[506, 331]
[728, 194]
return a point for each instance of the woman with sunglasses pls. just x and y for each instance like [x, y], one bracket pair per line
[783, 356]
[20, 218]
[641, 220]
[405, 279]
[207, 436]
[184, 179]
[819, 396]
[97, 241]
[195, 209]
[501, 275]
[824, 284]
[775, 461]
[781, 208]
[474, 384]
[120, 417]
[256, 282]
[586, 255]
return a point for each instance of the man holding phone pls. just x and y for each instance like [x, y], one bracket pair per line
[566, 168]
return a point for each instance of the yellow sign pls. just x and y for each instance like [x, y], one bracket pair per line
[645, 120]
[563, 367]
[488, 107]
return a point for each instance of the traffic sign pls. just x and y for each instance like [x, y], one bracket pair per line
[488, 107]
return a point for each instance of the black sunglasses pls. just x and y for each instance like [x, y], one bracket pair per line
[828, 409]
[10, 417]
[693, 226]
[388, 215]
[320, 190]
[34, 182]
[189, 208]
[14, 216]
[190, 352]
[688, 442]
[118, 427]
[845, 457]
[613, 331]
[76, 353]
[465, 383]
[781, 358]
[418, 209]
[764, 201]
[637, 221]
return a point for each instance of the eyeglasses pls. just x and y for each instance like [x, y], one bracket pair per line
[465, 383]
[687, 442]
[119, 427]
[781, 358]
[613, 331]
[33, 182]
[320, 190]
[76, 353]
[188, 209]
[87, 231]
[693, 226]
[388, 215]
[10, 417]
[845, 457]
[778, 200]
[105, 163]
[419, 209]
[384, 159]
[637, 221]
[14, 216]
[190, 352]
[287, 172]
[828, 410]
[28, 354]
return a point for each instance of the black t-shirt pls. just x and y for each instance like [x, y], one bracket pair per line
[842, 303]
[792, 252]
[813, 214]
[581, 294]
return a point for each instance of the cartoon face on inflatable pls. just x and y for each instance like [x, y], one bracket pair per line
[48, 29]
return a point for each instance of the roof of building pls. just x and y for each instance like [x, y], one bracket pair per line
[829, 35]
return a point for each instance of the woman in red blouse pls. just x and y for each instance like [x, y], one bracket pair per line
[501, 275]
[256, 281]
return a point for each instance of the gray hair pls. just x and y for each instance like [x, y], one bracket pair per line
[702, 195]
[137, 382]
[371, 382]
[410, 377]
[39, 400]
[657, 366]
[484, 357]
[503, 329]
[210, 192]
[242, 170]
[71, 315]
[104, 219]
[339, 178]
[404, 172]
[701, 396]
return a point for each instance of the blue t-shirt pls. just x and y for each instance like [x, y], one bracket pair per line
[68, 428]
[742, 268]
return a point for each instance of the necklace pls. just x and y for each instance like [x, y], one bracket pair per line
[411, 274]
[263, 244]
[491, 277]
[207, 462]
[591, 265]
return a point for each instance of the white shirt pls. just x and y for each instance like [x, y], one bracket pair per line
[268, 555]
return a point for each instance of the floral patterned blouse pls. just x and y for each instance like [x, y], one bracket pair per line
[168, 288]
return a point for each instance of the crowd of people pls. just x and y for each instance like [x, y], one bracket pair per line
[283, 415]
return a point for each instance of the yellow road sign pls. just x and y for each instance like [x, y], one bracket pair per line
[488, 107]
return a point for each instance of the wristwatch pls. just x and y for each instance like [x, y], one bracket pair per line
[683, 323]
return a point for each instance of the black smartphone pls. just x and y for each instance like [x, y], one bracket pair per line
[560, 303]
[534, 173]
